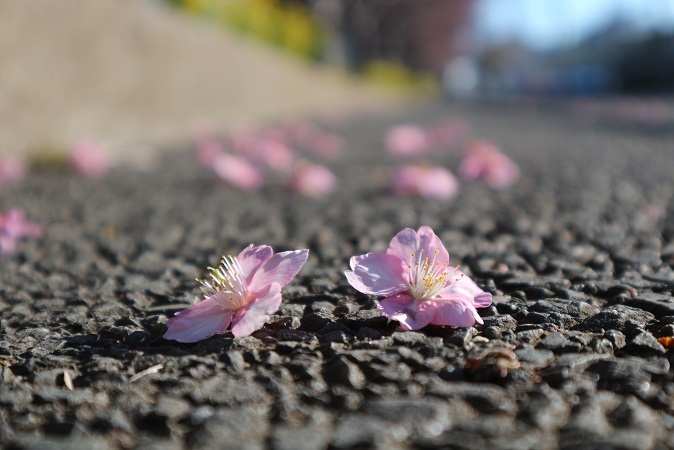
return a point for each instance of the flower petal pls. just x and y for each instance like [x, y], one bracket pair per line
[457, 311]
[411, 314]
[201, 321]
[252, 257]
[280, 268]
[409, 241]
[431, 243]
[377, 274]
[482, 300]
[460, 283]
[7, 245]
[257, 312]
[404, 244]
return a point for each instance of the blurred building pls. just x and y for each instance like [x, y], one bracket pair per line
[575, 48]
[614, 59]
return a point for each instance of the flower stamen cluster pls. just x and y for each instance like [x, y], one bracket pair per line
[240, 294]
[228, 285]
[427, 277]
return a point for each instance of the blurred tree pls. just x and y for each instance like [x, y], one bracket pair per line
[420, 34]
[648, 64]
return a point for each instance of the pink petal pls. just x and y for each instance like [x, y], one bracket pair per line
[407, 140]
[280, 268]
[485, 161]
[14, 224]
[466, 286]
[89, 158]
[7, 245]
[238, 172]
[251, 258]
[409, 241]
[404, 244]
[201, 321]
[455, 312]
[377, 274]
[482, 300]
[431, 243]
[12, 170]
[313, 180]
[411, 314]
[207, 150]
[257, 312]
[274, 154]
[13, 227]
[404, 180]
[503, 174]
[471, 167]
[438, 183]
[460, 283]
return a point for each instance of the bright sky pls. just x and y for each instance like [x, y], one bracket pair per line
[543, 24]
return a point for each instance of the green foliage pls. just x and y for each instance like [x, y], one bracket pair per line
[288, 26]
[396, 76]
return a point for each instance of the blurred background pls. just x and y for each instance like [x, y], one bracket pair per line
[139, 73]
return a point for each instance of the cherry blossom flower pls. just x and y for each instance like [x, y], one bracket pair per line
[237, 171]
[313, 180]
[407, 140]
[89, 158]
[12, 170]
[486, 162]
[14, 227]
[431, 182]
[207, 150]
[419, 286]
[274, 154]
[243, 291]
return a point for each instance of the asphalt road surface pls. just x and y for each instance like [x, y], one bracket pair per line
[578, 256]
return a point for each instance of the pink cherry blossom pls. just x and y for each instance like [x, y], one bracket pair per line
[407, 140]
[486, 162]
[274, 154]
[313, 180]
[237, 171]
[14, 227]
[431, 182]
[244, 291]
[12, 170]
[207, 150]
[419, 286]
[89, 158]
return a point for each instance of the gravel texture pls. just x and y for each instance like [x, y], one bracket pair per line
[568, 356]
